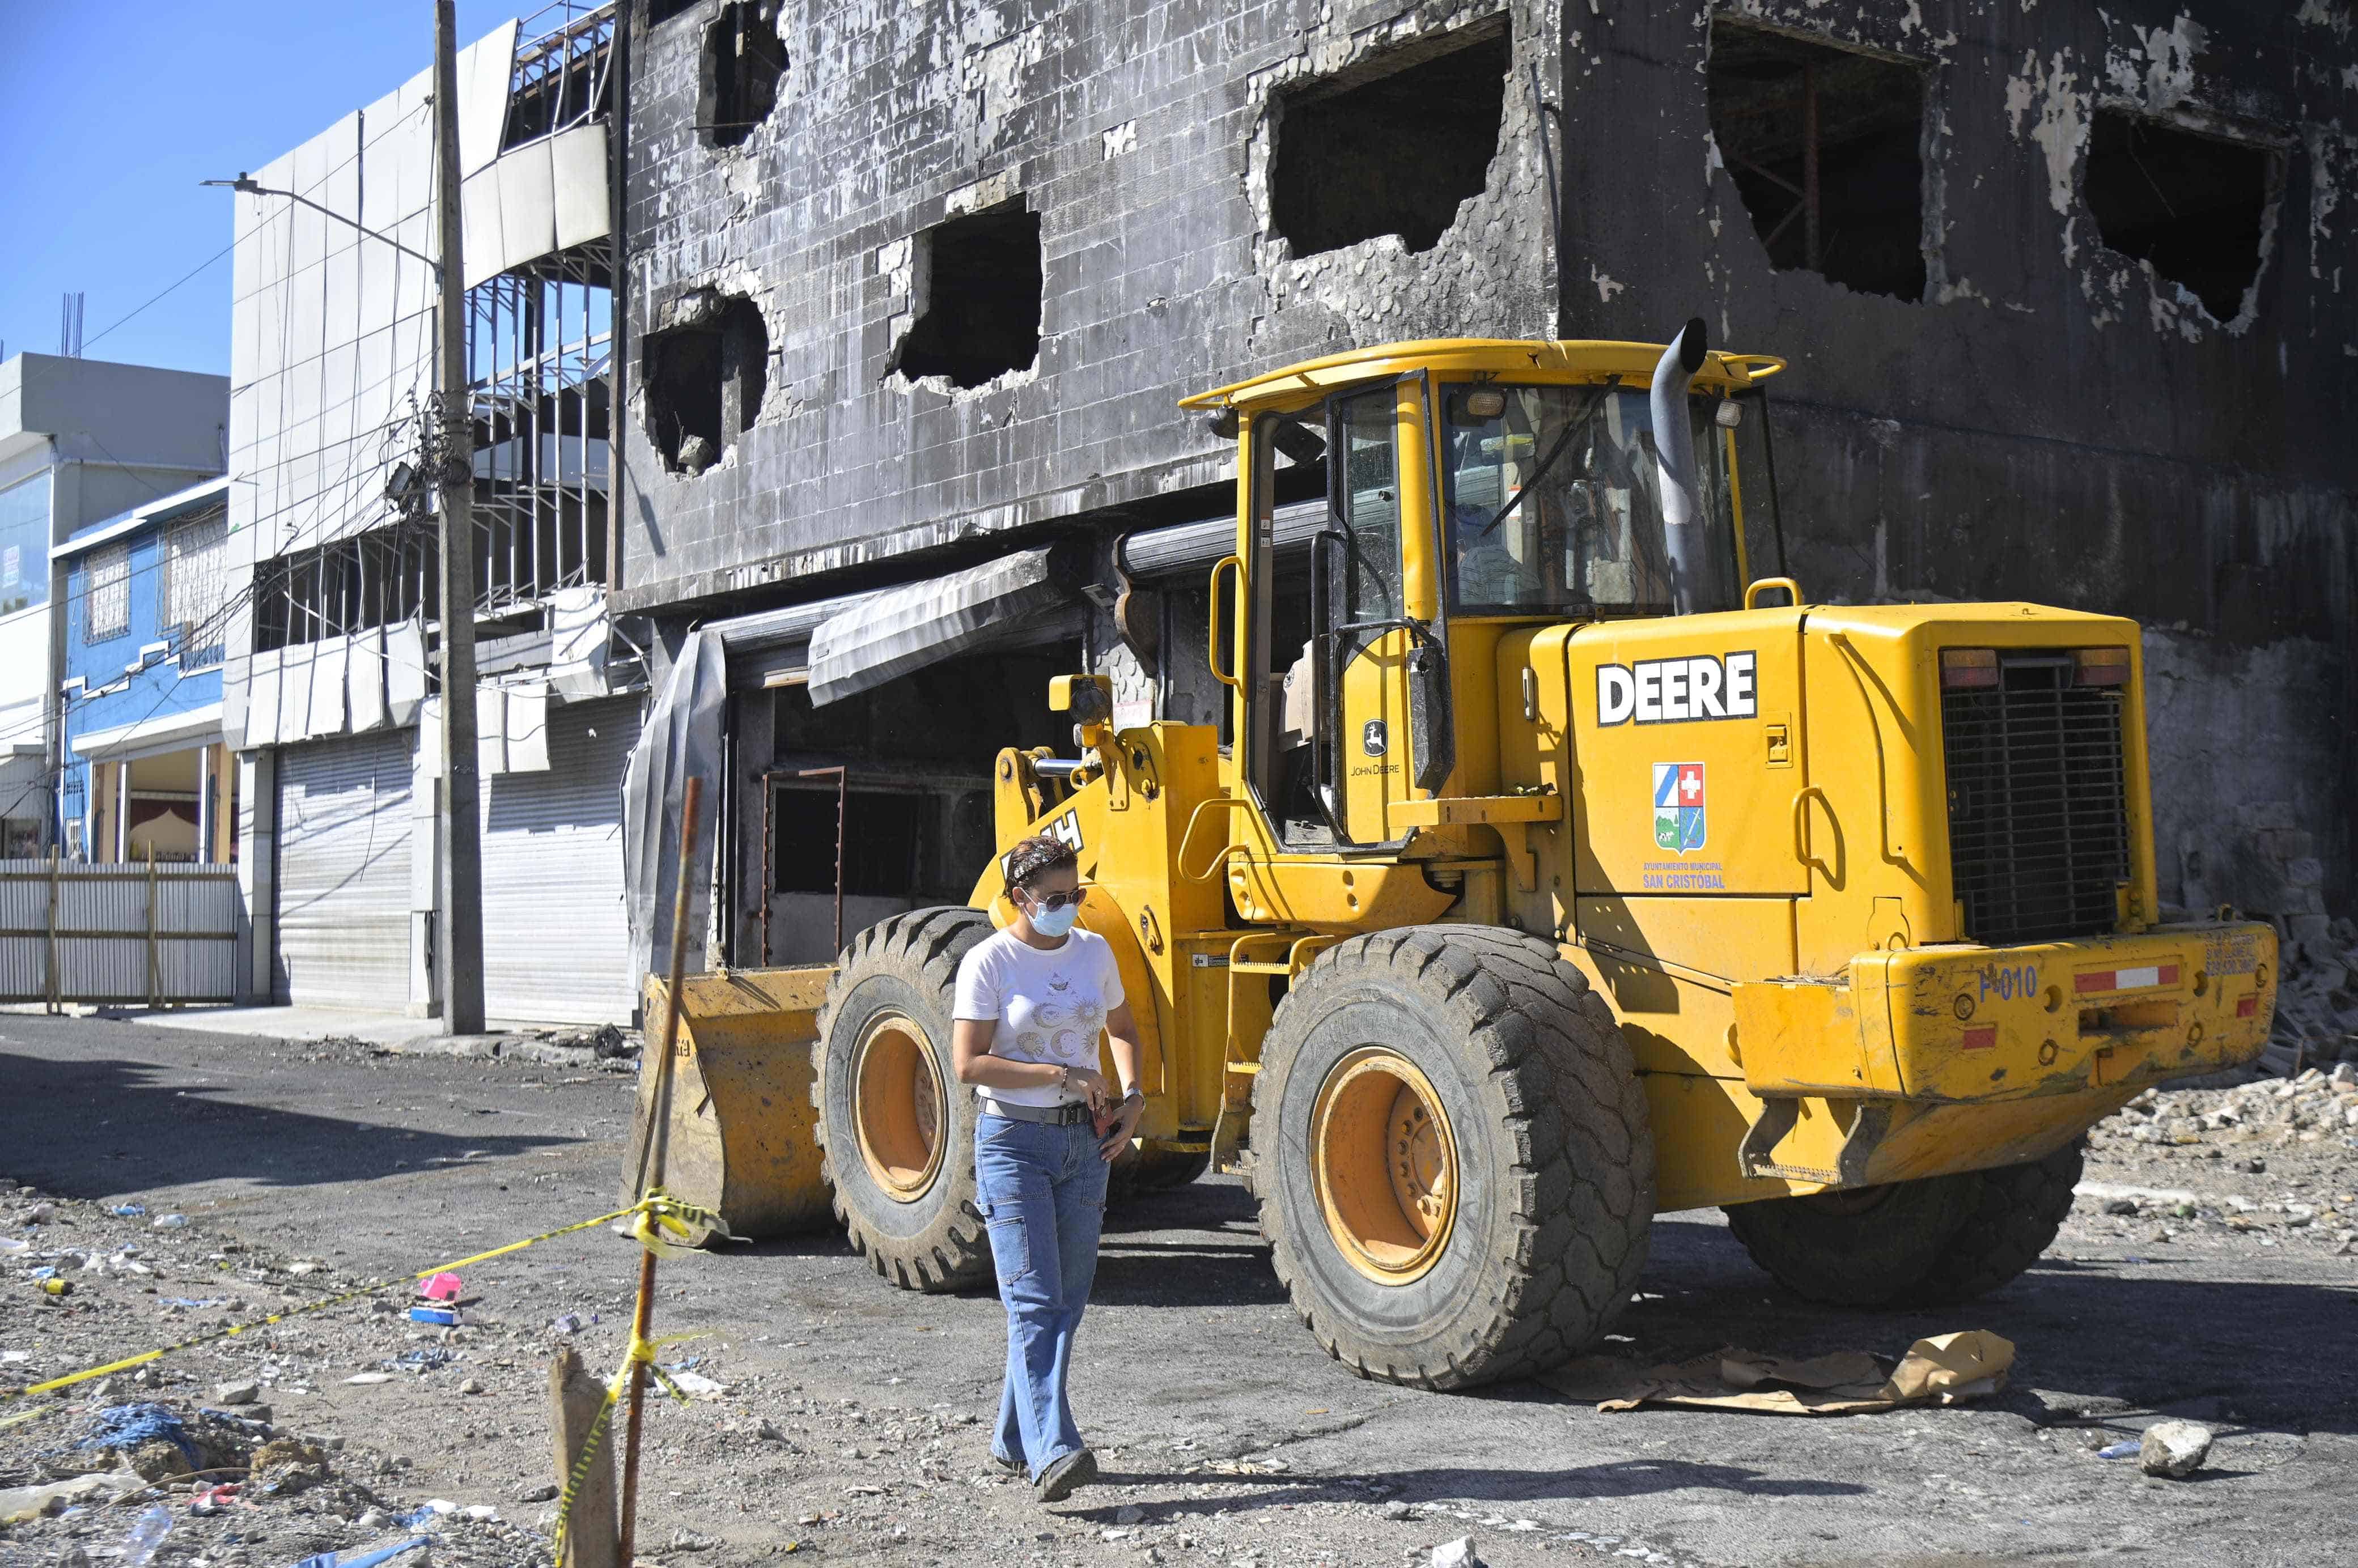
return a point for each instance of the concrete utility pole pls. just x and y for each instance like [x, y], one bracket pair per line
[460, 930]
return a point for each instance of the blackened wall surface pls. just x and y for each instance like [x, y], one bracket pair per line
[2050, 420]
[1141, 132]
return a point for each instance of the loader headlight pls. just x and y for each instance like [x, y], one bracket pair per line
[1968, 667]
[2101, 667]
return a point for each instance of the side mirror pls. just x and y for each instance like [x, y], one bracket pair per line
[1432, 729]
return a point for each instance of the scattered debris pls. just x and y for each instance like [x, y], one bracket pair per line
[1947, 1368]
[171, 1222]
[148, 1534]
[2174, 1448]
[237, 1393]
[287, 1464]
[31, 1503]
[1457, 1553]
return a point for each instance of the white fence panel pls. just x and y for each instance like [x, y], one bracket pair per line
[129, 934]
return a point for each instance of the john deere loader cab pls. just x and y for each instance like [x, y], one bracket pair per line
[1463, 500]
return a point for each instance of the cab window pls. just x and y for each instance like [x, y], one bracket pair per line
[1367, 504]
[1554, 501]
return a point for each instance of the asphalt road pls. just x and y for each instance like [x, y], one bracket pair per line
[1192, 1361]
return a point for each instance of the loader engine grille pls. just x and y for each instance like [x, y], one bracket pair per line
[2039, 836]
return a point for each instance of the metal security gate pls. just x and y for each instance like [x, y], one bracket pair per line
[555, 935]
[344, 872]
[140, 934]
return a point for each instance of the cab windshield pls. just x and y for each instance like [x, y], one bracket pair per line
[1588, 537]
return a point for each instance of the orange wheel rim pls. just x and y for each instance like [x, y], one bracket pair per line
[899, 1106]
[1384, 1162]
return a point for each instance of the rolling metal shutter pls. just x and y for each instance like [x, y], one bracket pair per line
[555, 936]
[344, 872]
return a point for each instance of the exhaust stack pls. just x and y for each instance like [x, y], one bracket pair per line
[1674, 460]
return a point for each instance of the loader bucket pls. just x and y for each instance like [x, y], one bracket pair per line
[744, 1131]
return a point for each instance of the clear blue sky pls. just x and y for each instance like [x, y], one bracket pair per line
[110, 113]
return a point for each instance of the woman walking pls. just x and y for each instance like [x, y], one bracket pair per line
[1030, 1002]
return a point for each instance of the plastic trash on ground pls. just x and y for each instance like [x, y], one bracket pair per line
[171, 1222]
[147, 1534]
[442, 1287]
[445, 1317]
[370, 1558]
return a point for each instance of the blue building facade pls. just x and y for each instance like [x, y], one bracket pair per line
[147, 611]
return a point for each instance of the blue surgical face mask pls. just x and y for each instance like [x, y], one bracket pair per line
[1055, 922]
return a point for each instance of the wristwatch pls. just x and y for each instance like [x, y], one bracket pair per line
[1132, 1095]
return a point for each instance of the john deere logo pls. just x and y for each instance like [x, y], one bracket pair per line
[1371, 739]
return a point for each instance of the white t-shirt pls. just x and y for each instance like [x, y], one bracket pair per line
[1050, 1004]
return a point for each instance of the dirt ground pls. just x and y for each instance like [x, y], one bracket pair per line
[854, 1419]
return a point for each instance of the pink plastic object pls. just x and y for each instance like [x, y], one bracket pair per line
[213, 1499]
[441, 1288]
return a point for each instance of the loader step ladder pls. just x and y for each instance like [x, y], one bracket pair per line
[1262, 954]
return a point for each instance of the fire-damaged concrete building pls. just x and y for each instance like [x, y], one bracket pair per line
[909, 295]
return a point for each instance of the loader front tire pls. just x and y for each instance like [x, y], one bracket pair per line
[1933, 1242]
[1452, 1156]
[895, 1127]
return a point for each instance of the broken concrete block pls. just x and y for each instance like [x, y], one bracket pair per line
[2174, 1448]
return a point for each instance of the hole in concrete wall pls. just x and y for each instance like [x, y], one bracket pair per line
[743, 60]
[1391, 147]
[1825, 148]
[976, 280]
[705, 377]
[2194, 206]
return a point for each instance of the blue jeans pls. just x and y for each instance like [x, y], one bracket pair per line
[1042, 1190]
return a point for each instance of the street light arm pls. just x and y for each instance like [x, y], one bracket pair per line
[244, 185]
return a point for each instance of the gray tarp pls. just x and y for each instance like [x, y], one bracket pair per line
[681, 740]
[890, 633]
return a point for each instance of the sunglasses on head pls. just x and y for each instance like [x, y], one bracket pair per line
[1049, 903]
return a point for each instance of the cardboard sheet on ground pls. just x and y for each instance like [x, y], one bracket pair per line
[1947, 1368]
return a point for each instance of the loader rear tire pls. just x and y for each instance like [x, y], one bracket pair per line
[1451, 1155]
[2015, 1214]
[1933, 1242]
[896, 1128]
[1865, 1247]
[1142, 1168]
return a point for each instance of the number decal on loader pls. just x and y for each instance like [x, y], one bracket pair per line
[2008, 982]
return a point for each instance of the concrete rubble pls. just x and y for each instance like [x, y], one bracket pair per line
[2174, 1448]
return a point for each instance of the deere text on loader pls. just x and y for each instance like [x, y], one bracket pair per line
[1557, 872]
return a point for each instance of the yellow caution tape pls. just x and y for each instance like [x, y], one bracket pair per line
[659, 1218]
[668, 1227]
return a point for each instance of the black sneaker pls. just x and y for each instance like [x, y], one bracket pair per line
[1076, 1469]
[1013, 1467]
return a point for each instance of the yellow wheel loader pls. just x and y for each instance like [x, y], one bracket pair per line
[1548, 870]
